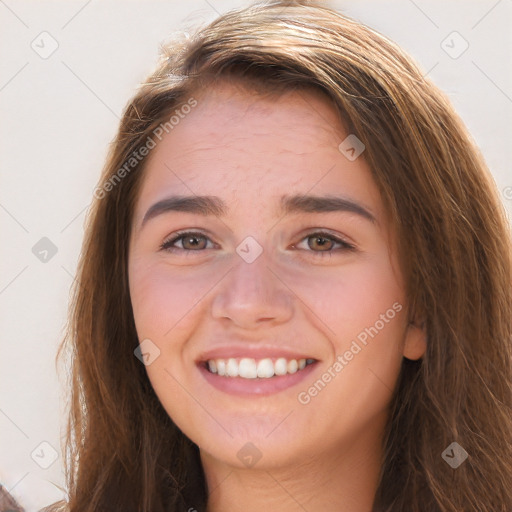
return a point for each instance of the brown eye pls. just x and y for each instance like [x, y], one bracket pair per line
[193, 242]
[320, 243]
[189, 241]
[323, 244]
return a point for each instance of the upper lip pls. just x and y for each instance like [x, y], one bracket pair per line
[254, 352]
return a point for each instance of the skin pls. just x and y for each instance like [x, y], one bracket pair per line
[250, 150]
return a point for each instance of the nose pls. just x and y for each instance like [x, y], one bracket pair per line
[252, 295]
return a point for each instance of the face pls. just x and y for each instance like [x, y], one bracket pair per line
[264, 281]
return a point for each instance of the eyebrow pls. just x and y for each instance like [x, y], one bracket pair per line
[213, 205]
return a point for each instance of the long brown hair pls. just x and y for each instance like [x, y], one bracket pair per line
[125, 453]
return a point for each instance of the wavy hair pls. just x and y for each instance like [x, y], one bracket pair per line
[454, 245]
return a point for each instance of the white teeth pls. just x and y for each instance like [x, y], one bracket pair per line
[280, 366]
[293, 366]
[249, 368]
[265, 368]
[212, 366]
[221, 366]
[232, 368]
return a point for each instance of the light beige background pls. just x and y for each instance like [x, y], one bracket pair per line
[58, 115]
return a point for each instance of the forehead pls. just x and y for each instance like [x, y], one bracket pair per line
[305, 114]
[252, 149]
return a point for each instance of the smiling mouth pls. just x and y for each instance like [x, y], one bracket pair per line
[249, 368]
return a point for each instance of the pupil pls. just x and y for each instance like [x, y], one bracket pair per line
[322, 241]
[193, 241]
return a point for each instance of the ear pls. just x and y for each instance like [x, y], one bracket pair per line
[415, 344]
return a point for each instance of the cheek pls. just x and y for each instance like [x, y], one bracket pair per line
[347, 301]
[167, 306]
[360, 310]
[374, 315]
[369, 300]
[163, 297]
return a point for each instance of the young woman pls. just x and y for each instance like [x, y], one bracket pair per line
[295, 287]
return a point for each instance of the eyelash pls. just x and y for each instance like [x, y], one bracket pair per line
[345, 246]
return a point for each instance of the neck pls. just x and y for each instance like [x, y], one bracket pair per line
[345, 480]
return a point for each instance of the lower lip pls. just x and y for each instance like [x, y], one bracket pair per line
[261, 387]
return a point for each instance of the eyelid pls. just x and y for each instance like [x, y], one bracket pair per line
[181, 234]
[345, 244]
[320, 232]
